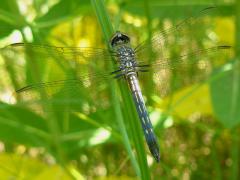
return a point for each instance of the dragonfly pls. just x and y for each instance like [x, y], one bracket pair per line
[60, 74]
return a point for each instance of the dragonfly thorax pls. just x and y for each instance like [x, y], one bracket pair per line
[126, 59]
[125, 54]
[121, 45]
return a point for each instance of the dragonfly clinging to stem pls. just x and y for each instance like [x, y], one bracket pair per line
[129, 68]
[83, 68]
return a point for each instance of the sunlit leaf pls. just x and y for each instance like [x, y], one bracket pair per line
[19, 167]
[190, 100]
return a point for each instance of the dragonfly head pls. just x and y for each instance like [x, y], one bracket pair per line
[119, 39]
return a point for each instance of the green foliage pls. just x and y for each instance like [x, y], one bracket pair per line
[19, 167]
[63, 11]
[95, 130]
[226, 102]
[19, 121]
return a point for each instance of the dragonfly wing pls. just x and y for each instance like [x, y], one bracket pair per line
[186, 36]
[63, 77]
[172, 74]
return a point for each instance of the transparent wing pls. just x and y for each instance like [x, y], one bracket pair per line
[48, 77]
[183, 54]
[166, 76]
[188, 35]
[70, 53]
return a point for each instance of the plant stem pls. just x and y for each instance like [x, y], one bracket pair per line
[129, 110]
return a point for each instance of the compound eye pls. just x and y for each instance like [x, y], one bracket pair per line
[119, 38]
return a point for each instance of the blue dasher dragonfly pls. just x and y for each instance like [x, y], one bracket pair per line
[60, 75]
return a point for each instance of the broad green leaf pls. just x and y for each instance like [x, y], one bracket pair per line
[20, 167]
[62, 11]
[171, 10]
[9, 17]
[225, 92]
[225, 24]
[22, 126]
[5, 29]
[185, 102]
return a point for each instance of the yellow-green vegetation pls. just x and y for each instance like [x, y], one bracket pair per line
[87, 127]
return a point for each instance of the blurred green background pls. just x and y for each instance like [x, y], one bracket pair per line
[197, 124]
